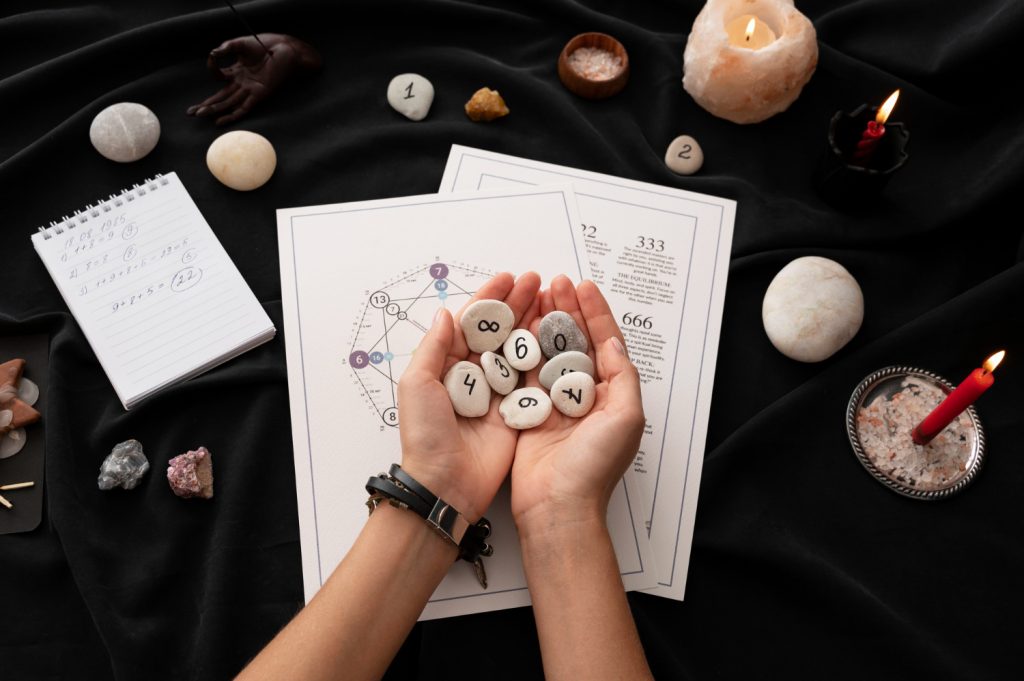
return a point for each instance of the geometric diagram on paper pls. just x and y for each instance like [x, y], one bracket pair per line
[392, 322]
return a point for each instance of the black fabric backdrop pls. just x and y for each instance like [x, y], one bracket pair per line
[802, 565]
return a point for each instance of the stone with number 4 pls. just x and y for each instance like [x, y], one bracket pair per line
[522, 350]
[525, 408]
[411, 95]
[563, 364]
[684, 156]
[574, 394]
[486, 324]
[467, 389]
[501, 377]
[559, 333]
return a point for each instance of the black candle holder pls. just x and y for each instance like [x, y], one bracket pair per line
[849, 184]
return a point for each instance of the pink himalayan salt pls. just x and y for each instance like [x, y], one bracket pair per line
[191, 474]
[593, 63]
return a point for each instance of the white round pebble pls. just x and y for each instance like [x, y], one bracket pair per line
[684, 156]
[525, 408]
[566, 362]
[486, 324]
[28, 392]
[522, 350]
[411, 95]
[468, 390]
[124, 132]
[12, 442]
[812, 308]
[241, 159]
[6, 416]
[500, 376]
[574, 394]
[559, 333]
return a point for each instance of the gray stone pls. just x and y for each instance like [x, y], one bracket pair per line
[124, 466]
[559, 333]
[684, 156]
[486, 324]
[525, 408]
[124, 132]
[500, 376]
[565, 363]
[411, 95]
[468, 389]
[522, 350]
[574, 394]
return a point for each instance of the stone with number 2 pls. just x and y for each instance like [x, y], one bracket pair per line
[525, 408]
[467, 389]
[501, 377]
[522, 350]
[486, 324]
[684, 156]
[574, 394]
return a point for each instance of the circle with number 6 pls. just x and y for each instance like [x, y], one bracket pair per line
[522, 350]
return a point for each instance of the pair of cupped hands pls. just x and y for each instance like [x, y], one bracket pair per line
[565, 468]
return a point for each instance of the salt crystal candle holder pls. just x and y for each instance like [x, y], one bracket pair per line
[599, 71]
[882, 412]
[844, 183]
[747, 72]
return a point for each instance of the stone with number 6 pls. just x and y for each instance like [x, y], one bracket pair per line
[467, 389]
[501, 377]
[486, 324]
[525, 408]
[574, 394]
[522, 350]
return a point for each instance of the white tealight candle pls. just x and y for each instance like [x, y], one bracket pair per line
[747, 60]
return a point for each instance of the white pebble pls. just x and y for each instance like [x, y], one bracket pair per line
[124, 132]
[241, 159]
[574, 394]
[486, 324]
[525, 408]
[522, 350]
[411, 95]
[565, 363]
[684, 156]
[12, 442]
[468, 390]
[28, 392]
[501, 377]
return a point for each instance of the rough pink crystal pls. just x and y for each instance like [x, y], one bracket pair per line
[191, 474]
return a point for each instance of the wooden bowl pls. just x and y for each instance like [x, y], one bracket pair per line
[586, 87]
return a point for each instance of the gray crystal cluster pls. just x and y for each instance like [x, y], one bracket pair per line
[124, 466]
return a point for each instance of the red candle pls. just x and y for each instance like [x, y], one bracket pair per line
[979, 380]
[875, 130]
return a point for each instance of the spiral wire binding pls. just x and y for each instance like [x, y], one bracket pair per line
[80, 217]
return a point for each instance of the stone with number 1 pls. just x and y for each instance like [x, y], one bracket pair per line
[486, 324]
[574, 394]
[411, 95]
[684, 156]
[525, 408]
[468, 389]
[522, 350]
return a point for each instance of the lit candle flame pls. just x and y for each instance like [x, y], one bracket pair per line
[886, 108]
[992, 362]
[751, 25]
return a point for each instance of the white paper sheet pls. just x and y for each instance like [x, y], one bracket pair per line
[360, 284]
[661, 256]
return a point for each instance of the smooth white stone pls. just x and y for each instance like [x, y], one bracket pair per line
[684, 156]
[812, 308]
[525, 408]
[6, 416]
[743, 85]
[522, 350]
[486, 324]
[468, 389]
[574, 394]
[241, 159]
[12, 443]
[28, 392]
[565, 363]
[500, 375]
[412, 102]
[560, 333]
[124, 132]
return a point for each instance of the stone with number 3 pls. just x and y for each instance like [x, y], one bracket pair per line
[525, 408]
[522, 350]
[684, 156]
[574, 394]
[500, 376]
[411, 95]
[468, 390]
[563, 364]
[486, 324]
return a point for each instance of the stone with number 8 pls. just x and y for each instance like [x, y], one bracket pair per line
[467, 389]
[486, 324]
[522, 350]
[525, 408]
[501, 377]
[574, 394]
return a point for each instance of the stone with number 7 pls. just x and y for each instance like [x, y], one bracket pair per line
[522, 350]
[467, 389]
[574, 394]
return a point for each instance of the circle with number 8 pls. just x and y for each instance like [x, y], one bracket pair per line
[521, 350]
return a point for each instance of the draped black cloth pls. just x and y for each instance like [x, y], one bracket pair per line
[802, 565]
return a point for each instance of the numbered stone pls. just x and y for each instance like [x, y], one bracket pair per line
[574, 394]
[525, 408]
[559, 333]
[500, 375]
[486, 324]
[124, 132]
[684, 156]
[565, 363]
[241, 159]
[411, 95]
[468, 389]
[522, 350]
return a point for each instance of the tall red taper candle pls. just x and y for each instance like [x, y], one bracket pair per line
[979, 380]
[874, 131]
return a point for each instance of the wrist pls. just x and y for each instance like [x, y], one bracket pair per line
[554, 524]
[443, 484]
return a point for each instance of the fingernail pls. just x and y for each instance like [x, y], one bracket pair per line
[437, 316]
[617, 344]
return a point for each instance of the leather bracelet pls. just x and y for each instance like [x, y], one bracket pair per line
[405, 498]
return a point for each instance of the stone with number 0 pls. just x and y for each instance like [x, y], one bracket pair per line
[501, 377]
[574, 394]
[522, 350]
[559, 333]
[525, 408]
[563, 364]
[467, 389]
[486, 324]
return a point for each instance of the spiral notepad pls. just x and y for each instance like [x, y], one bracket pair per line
[154, 291]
